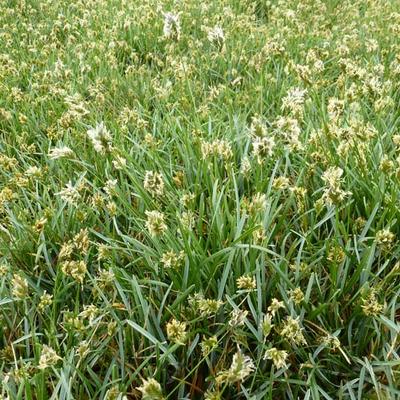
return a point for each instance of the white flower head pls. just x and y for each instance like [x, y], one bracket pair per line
[153, 183]
[216, 35]
[172, 26]
[70, 194]
[60, 152]
[48, 357]
[242, 366]
[101, 138]
[294, 100]
[278, 357]
[151, 390]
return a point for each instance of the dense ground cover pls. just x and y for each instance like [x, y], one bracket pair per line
[199, 199]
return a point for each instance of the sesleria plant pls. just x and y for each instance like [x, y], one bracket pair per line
[199, 200]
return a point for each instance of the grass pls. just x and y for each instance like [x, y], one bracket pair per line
[200, 204]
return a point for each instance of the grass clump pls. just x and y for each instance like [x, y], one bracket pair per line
[199, 200]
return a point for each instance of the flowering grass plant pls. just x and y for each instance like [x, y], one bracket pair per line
[199, 200]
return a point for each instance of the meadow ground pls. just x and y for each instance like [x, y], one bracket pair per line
[199, 200]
